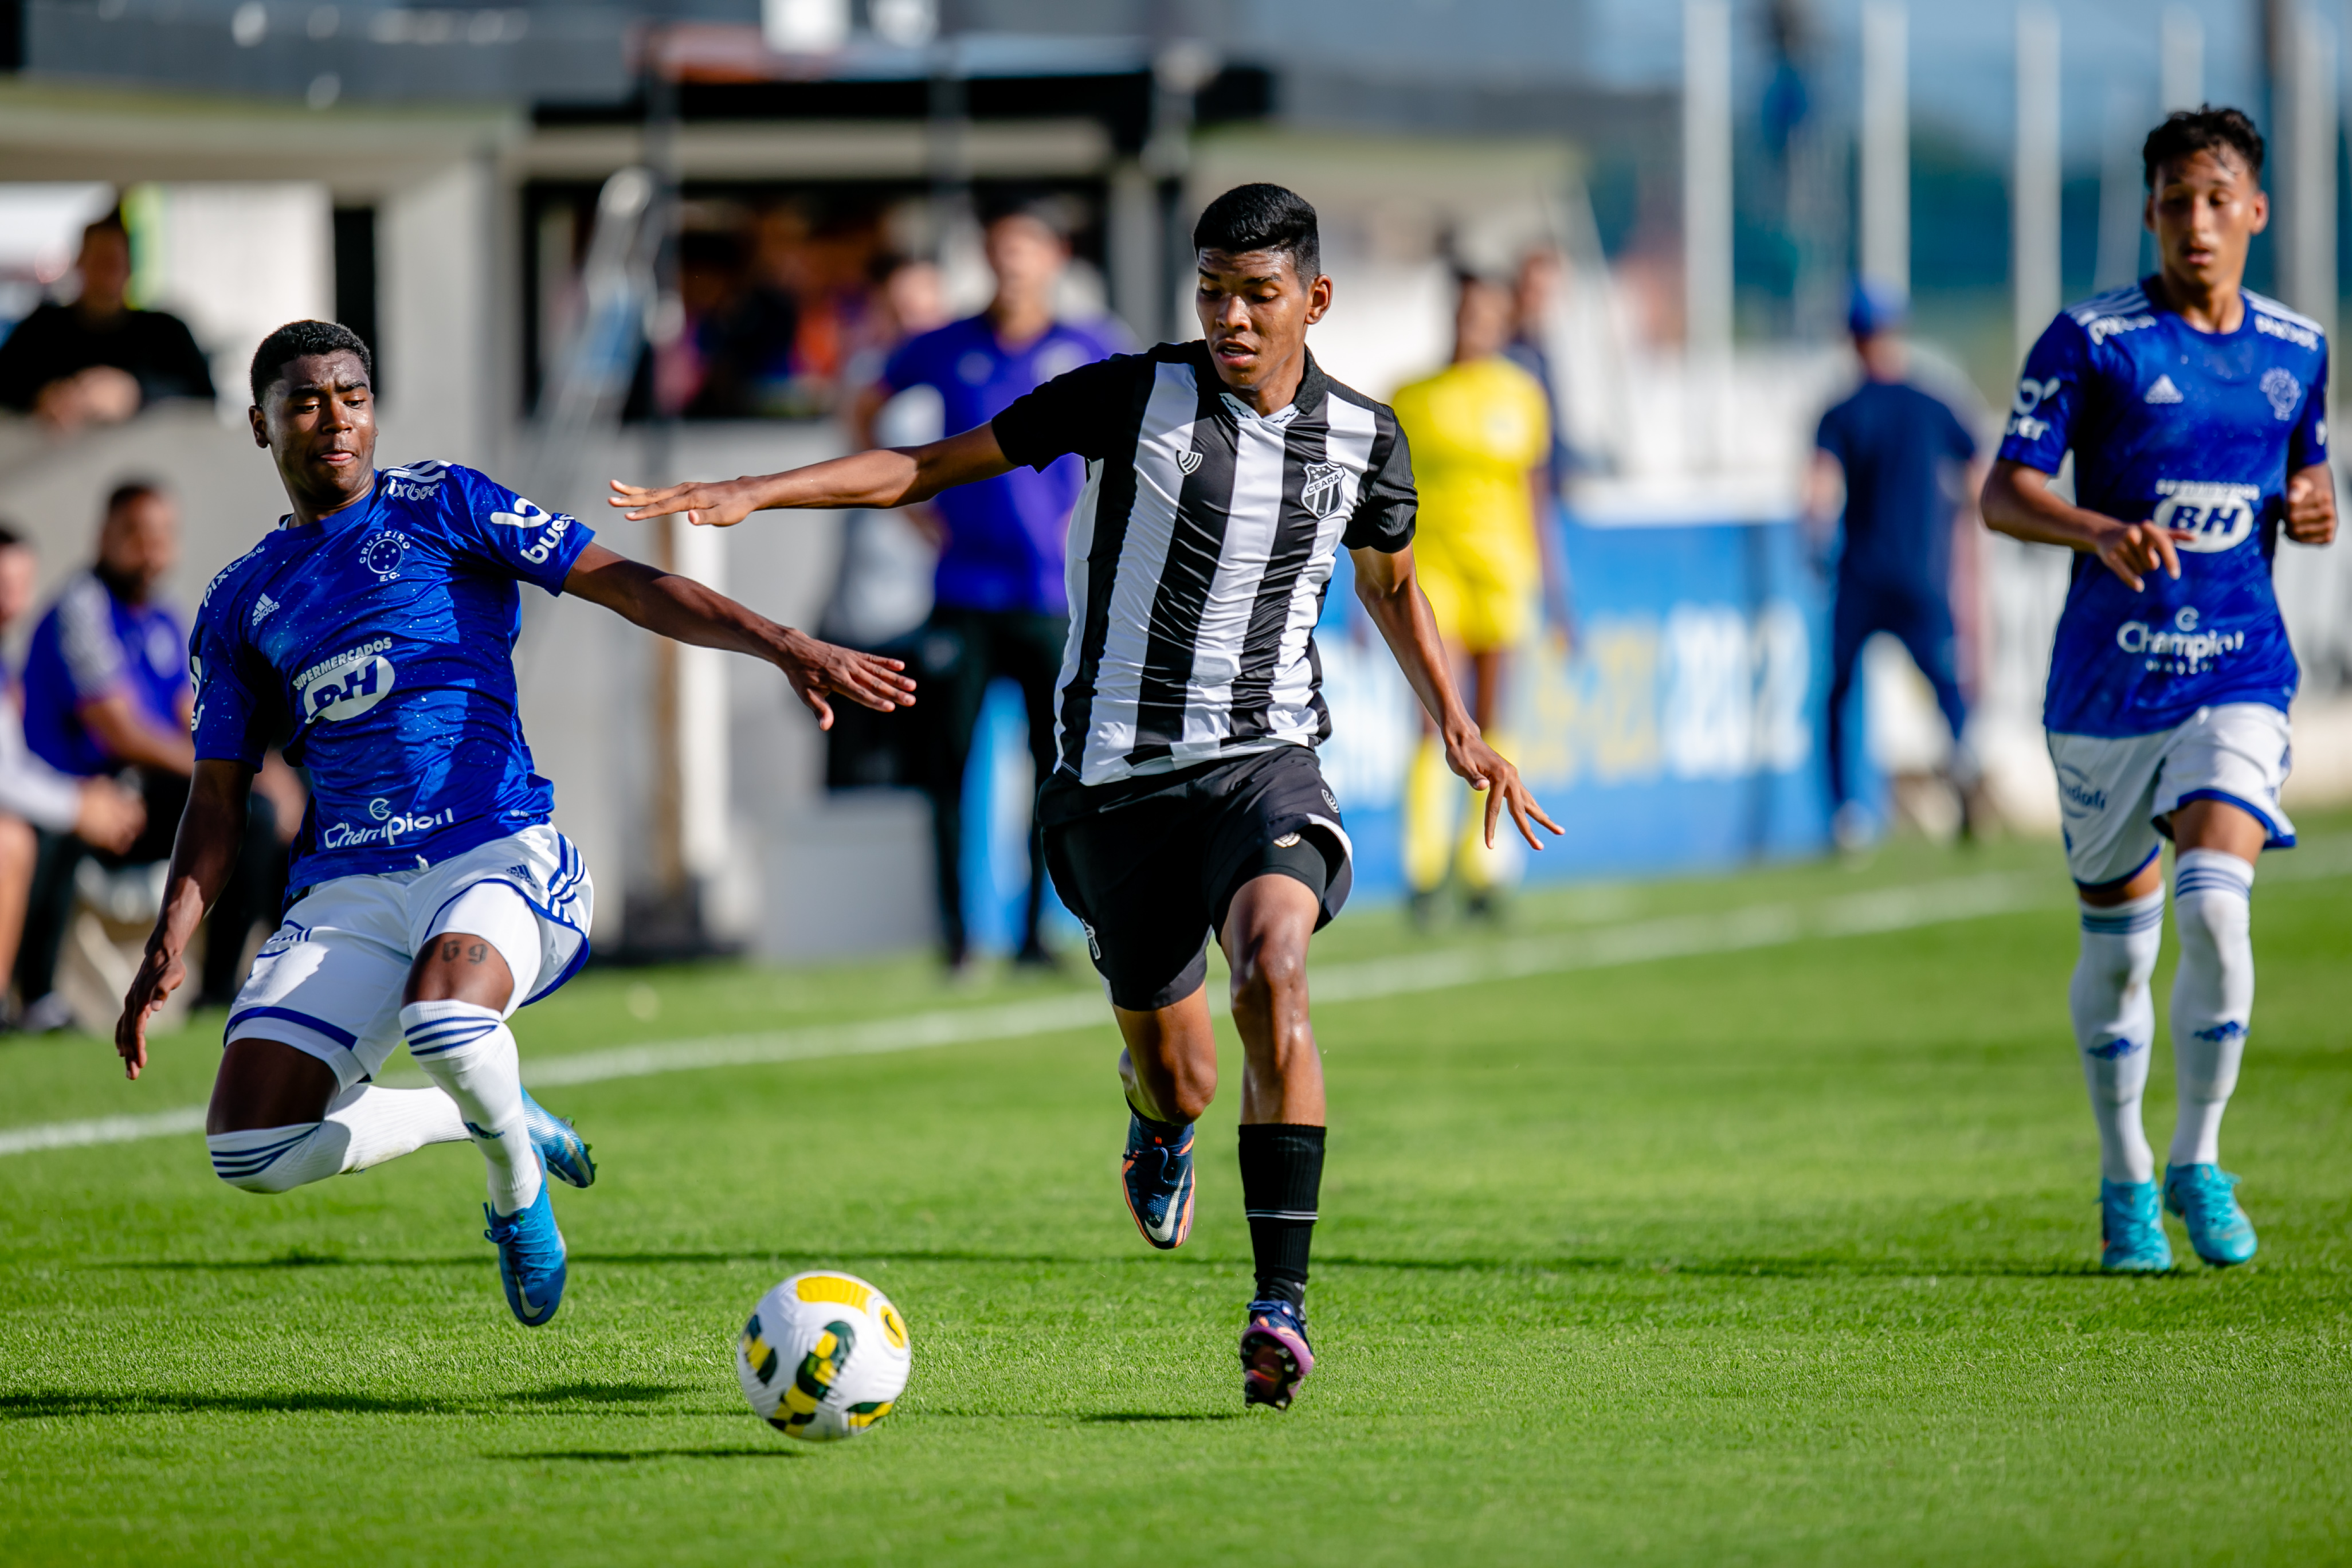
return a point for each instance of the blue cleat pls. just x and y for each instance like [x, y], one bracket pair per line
[2131, 1221]
[1158, 1180]
[558, 1144]
[2204, 1197]
[1275, 1357]
[530, 1258]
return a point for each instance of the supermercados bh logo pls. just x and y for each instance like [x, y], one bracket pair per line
[553, 525]
[2219, 516]
[347, 685]
[1325, 490]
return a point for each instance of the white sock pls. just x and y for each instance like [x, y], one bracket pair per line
[2212, 996]
[366, 1126]
[2114, 1024]
[470, 1053]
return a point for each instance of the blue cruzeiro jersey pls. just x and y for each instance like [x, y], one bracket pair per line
[377, 648]
[2192, 430]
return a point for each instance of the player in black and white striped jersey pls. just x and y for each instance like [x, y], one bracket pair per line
[1223, 479]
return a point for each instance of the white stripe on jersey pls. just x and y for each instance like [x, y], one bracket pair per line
[1166, 436]
[1253, 517]
[1292, 702]
[1077, 551]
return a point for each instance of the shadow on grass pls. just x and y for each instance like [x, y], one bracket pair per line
[634, 1456]
[53, 1404]
[1740, 1268]
[1154, 1418]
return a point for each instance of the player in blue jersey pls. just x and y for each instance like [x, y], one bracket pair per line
[372, 636]
[2196, 412]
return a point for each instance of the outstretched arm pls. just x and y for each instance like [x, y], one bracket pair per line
[685, 611]
[886, 477]
[2017, 501]
[1386, 585]
[203, 855]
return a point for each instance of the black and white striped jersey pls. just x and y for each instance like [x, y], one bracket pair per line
[1200, 552]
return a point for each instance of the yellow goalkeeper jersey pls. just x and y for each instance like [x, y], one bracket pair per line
[1475, 430]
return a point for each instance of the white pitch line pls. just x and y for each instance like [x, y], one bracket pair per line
[1638, 942]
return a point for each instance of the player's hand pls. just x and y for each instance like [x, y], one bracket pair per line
[110, 817]
[720, 503]
[2133, 550]
[816, 669]
[2311, 507]
[1488, 770]
[160, 974]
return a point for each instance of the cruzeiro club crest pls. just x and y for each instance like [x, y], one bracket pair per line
[1325, 487]
[382, 555]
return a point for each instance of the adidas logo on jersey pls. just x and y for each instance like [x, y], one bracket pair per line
[263, 608]
[2163, 390]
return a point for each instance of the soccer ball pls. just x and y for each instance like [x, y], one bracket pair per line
[824, 1356]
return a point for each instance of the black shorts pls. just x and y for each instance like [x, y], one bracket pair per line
[1151, 865]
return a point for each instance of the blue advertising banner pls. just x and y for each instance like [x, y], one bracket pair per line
[1683, 731]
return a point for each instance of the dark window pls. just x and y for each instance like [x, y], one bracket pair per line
[355, 302]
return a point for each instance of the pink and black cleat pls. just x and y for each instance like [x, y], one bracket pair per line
[1275, 1356]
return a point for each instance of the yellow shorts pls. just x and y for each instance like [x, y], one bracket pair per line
[1482, 601]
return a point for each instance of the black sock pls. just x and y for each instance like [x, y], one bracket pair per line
[1282, 1176]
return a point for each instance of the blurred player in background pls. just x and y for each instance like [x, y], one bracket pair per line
[1221, 479]
[96, 361]
[1902, 459]
[35, 798]
[2196, 410]
[372, 634]
[1482, 436]
[106, 694]
[998, 606]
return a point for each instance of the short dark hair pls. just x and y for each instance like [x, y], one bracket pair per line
[110, 224]
[2205, 128]
[295, 340]
[1263, 217]
[129, 490]
[12, 537]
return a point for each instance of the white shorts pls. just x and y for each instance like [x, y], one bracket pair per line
[328, 982]
[2112, 790]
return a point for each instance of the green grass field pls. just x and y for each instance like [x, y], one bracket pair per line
[1779, 1253]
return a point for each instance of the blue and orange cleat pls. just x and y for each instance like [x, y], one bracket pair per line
[530, 1258]
[1275, 1356]
[560, 1145]
[2206, 1199]
[1158, 1175]
[2131, 1221]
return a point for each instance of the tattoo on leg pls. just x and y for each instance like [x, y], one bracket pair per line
[477, 954]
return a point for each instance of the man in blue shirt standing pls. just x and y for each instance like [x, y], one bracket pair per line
[999, 606]
[1902, 456]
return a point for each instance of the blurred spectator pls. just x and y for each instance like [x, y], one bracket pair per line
[748, 347]
[1907, 464]
[106, 693]
[34, 797]
[998, 605]
[96, 361]
[1481, 433]
[1535, 294]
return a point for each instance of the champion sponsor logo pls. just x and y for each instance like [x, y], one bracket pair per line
[1326, 487]
[2218, 516]
[2271, 326]
[392, 830]
[1188, 461]
[345, 688]
[2284, 391]
[263, 608]
[2102, 328]
[2176, 652]
[2163, 392]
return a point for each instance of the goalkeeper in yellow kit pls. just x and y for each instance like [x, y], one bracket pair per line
[1481, 433]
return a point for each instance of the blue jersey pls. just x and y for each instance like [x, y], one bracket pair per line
[1900, 447]
[1005, 535]
[93, 645]
[2190, 430]
[377, 648]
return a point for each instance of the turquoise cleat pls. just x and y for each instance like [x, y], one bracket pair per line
[2131, 1221]
[530, 1258]
[2204, 1197]
[558, 1144]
